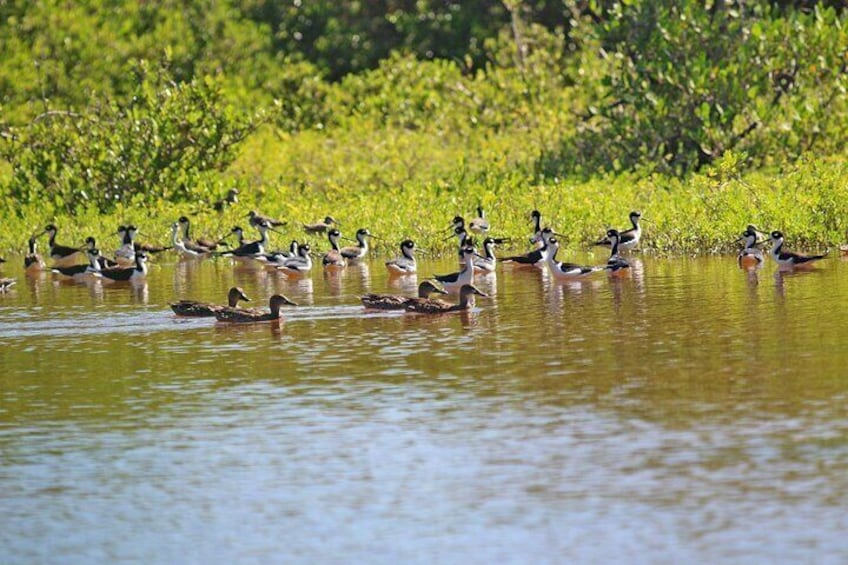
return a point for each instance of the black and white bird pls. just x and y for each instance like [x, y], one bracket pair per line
[356, 252]
[104, 262]
[617, 266]
[787, 259]
[299, 265]
[33, 262]
[405, 264]
[333, 258]
[567, 271]
[535, 258]
[252, 249]
[62, 255]
[201, 245]
[479, 225]
[82, 272]
[750, 255]
[6, 284]
[454, 281]
[629, 238]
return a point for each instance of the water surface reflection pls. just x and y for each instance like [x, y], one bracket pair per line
[661, 414]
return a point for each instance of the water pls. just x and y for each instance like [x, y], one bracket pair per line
[693, 412]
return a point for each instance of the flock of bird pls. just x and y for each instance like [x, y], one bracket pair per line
[130, 261]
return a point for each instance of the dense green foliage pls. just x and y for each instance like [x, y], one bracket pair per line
[701, 114]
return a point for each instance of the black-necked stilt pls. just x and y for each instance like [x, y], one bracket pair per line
[406, 263]
[480, 224]
[125, 254]
[201, 245]
[566, 271]
[104, 262]
[487, 263]
[454, 281]
[356, 252]
[32, 260]
[456, 223]
[197, 309]
[750, 255]
[536, 218]
[535, 258]
[81, 272]
[186, 249]
[333, 258]
[398, 302]
[629, 238]
[322, 226]
[278, 258]
[256, 218]
[6, 284]
[252, 315]
[132, 232]
[616, 265]
[61, 255]
[788, 260]
[121, 274]
[298, 265]
[253, 249]
[466, 301]
[230, 198]
[464, 240]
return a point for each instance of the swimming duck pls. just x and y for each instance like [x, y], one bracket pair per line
[253, 315]
[788, 260]
[466, 301]
[398, 302]
[629, 238]
[406, 263]
[197, 309]
[356, 252]
[32, 260]
[322, 226]
[121, 274]
[61, 255]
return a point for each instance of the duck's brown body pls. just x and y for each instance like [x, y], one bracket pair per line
[397, 302]
[253, 315]
[193, 308]
[429, 306]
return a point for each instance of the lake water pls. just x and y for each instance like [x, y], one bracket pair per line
[694, 412]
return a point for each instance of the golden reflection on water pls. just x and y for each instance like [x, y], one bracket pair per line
[666, 410]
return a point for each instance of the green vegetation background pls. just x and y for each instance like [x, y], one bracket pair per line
[397, 115]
